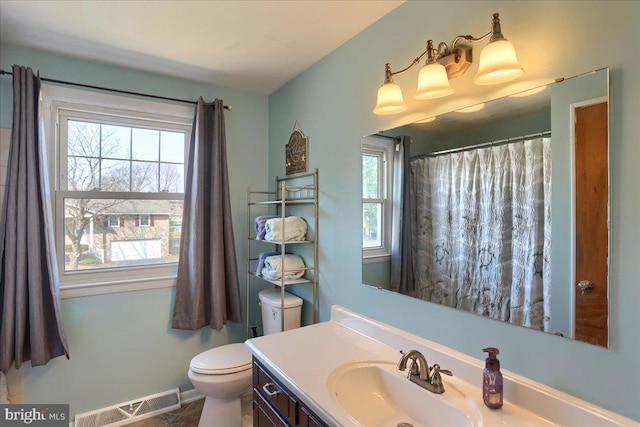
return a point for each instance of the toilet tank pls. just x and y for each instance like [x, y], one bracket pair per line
[272, 311]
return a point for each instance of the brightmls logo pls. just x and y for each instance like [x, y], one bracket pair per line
[35, 415]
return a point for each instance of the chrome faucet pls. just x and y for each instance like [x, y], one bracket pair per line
[421, 373]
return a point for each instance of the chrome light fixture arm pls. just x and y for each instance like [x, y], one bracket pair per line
[389, 74]
[495, 33]
[468, 38]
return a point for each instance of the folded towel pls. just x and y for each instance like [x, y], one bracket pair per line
[293, 267]
[295, 229]
[259, 225]
[261, 257]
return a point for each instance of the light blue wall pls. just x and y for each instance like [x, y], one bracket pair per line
[122, 345]
[377, 274]
[510, 128]
[333, 100]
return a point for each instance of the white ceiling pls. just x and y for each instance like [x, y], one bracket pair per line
[255, 46]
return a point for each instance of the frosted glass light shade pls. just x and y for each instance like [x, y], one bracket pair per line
[390, 100]
[498, 64]
[433, 82]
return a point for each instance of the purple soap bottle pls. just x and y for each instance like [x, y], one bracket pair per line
[492, 380]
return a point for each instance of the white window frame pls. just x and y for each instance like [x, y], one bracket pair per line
[148, 218]
[110, 224]
[57, 101]
[383, 148]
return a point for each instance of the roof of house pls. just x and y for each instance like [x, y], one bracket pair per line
[130, 207]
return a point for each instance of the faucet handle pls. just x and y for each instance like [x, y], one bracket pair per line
[436, 379]
[435, 370]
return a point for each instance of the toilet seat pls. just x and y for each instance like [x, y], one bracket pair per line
[226, 359]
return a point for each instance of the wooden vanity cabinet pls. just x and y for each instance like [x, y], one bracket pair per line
[275, 405]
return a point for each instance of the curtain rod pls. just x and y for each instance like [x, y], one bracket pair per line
[395, 138]
[185, 101]
[484, 144]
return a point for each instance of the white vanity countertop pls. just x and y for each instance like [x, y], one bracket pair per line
[304, 358]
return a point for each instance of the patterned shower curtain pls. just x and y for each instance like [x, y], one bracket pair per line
[482, 240]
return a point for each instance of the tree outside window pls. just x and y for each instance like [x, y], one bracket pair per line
[113, 174]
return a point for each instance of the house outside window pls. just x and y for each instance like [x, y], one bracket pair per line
[118, 188]
[377, 176]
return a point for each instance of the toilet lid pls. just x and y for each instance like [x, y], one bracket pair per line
[226, 359]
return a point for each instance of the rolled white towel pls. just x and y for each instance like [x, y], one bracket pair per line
[295, 229]
[293, 267]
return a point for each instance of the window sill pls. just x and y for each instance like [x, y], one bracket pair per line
[372, 259]
[118, 286]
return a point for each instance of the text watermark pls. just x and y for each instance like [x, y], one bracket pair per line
[54, 415]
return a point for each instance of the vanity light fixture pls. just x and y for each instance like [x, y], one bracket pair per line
[498, 64]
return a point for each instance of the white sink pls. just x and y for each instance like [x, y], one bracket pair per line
[376, 393]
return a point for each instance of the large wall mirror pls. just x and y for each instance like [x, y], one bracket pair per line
[499, 209]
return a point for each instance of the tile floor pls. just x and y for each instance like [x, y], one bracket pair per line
[187, 416]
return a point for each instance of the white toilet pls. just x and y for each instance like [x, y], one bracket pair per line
[223, 374]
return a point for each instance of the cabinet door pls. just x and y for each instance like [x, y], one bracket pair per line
[278, 397]
[276, 405]
[309, 419]
[263, 415]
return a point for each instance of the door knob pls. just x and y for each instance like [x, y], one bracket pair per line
[585, 286]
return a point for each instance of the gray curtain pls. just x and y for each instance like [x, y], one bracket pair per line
[402, 275]
[29, 284]
[207, 288]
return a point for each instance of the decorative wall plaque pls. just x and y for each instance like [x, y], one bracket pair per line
[296, 151]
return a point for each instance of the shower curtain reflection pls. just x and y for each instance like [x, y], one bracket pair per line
[481, 223]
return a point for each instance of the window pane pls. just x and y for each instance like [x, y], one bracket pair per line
[172, 147]
[114, 175]
[171, 178]
[145, 220]
[116, 142]
[83, 139]
[144, 177]
[121, 158]
[371, 225]
[93, 241]
[370, 177]
[145, 144]
[83, 174]
[113, 221]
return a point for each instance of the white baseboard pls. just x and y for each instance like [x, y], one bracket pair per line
[190, 396]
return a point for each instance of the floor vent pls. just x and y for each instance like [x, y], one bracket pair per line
[132, 411]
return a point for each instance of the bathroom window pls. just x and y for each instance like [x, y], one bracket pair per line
[118, 191]
[377, 173]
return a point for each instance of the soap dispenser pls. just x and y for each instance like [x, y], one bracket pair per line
[492, 380]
